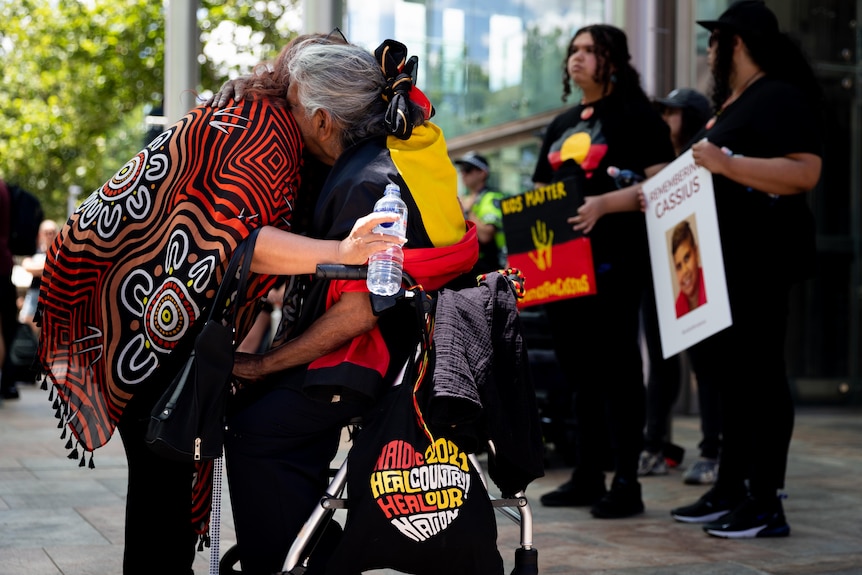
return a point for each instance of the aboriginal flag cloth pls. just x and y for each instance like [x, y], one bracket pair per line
[139, 262]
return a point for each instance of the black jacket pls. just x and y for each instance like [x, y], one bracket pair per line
[482, 378]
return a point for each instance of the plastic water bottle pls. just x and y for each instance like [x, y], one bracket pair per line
[384, 268]
[623, 178]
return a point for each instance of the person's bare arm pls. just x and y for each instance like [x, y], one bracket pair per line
[277, 252]
[34, 264]
[785, 175]
[626, 199]
[348, 318]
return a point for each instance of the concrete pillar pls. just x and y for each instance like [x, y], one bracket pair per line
[686, 46]
[321, 16]
[72, 200]
[650, 26]
[182, 71]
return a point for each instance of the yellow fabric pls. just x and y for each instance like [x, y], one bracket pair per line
[423, 161]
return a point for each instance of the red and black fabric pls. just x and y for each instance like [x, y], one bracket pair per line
[365, 361]
[140, 260]
[440, 246]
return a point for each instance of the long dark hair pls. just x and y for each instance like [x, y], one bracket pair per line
[613, 62]
[778, 55]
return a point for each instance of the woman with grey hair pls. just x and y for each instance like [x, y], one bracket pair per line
[363, 116]
[133, 273]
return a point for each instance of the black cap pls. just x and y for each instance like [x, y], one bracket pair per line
[746, 18]
[475, 160]
[687, 98]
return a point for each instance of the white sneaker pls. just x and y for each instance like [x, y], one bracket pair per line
[651, 464]
[703, 472]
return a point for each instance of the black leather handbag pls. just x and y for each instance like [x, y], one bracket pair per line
[187, 423]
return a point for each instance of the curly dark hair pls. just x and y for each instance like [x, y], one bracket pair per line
[613, 62]
[778, 55]
[721, 67]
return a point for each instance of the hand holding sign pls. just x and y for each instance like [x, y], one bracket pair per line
[685, 253]
[588, 214]
[557, 259]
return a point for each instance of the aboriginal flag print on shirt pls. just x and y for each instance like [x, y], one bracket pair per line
[583, 144]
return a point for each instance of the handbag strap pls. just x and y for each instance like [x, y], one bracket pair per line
[244, 252]
[215, 517]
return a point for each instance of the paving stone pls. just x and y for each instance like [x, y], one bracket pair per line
[59, 519]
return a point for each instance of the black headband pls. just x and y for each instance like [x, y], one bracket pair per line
[400, 74]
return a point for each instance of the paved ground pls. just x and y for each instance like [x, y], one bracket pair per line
[56, 518]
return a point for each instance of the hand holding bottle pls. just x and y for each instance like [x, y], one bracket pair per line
[385, 267]
[364, 240]
[624, 178]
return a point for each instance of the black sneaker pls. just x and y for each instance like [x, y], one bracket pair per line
[710, 507]
[623, 500]
[751, 519]
[575, 493]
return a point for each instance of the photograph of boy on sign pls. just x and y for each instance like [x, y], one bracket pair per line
[689, 289]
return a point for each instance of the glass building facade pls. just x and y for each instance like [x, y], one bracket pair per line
[486, 65]
[483, 63]
[493, 69]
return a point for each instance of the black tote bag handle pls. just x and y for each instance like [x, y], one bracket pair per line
[245, 252]
[187, 422]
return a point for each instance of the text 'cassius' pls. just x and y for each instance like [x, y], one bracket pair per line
[674, 190]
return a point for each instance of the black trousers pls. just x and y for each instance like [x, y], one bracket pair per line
[160, 537]
[663, 387]
[596, 343]
[709, 404]
[663, 379]
[747, 362]
[9, 318]
[278, 452]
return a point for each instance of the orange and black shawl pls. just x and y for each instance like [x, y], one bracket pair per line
[139, 262]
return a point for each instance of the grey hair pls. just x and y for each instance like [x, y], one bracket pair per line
[345, 81]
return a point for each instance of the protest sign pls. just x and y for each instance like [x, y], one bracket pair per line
[685, 252]
[557, 261]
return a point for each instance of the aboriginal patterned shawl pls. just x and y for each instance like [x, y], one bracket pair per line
[140, 260]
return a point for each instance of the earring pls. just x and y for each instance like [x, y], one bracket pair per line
[613, 78]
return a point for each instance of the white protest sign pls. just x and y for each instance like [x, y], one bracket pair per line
[685, 251]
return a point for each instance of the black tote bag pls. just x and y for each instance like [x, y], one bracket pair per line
[413, 505]
[187, 423]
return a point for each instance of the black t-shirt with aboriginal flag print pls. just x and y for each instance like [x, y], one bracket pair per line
[579, 146]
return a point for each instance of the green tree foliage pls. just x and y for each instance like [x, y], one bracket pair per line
[251, 31]
[79, 77]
